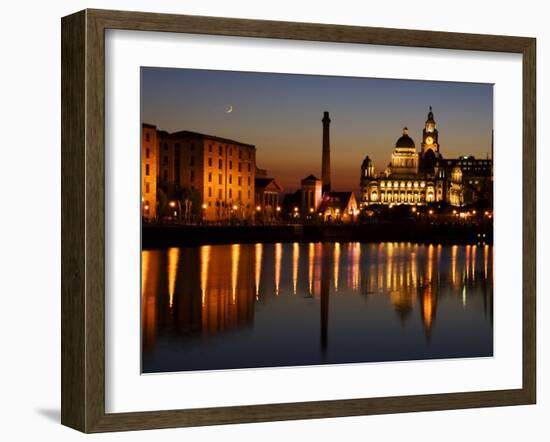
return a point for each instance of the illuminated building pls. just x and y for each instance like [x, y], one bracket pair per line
[311, 194]
[202, 176]
[419, 178]
[267, 196]
[149, 167]
[314, 200]
[339, 206]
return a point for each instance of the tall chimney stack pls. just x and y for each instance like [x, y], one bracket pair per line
[325, 170]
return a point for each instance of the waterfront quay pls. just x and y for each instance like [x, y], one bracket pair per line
[173, 235]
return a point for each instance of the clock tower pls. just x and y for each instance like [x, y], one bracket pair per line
[430, 135]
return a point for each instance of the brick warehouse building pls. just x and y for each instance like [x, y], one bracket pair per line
[149, 164]
[198, 176]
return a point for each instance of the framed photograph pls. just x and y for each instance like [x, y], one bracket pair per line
[266, 221]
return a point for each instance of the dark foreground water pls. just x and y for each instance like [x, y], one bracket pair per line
[262, 305]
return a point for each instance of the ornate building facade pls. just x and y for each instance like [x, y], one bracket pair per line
[268, 192]
[419, 178]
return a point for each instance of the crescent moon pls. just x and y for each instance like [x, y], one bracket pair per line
[229, 110]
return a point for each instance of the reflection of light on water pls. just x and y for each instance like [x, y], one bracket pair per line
[430, 262]
[474, 250]
[205, 261]
[486, 259]
[311, 263]
[317, 269]
[295, 261]
[438, 258]
[258, 267]
[419, 295]
[428, 306]
[380, 280]
[412, 275]
[173, 258]
[336, 264]
[389, 266]
[145, 263]
[468, 251]
[454, 252]
[235, 255]
[149, 281]
[278, 258]
[400, 272]
[356, 256]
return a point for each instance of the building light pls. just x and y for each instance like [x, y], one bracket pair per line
[295, 209]
[146, 207]
[172, 204]
[258, 208]
[278, 208]
[413, 209]
[431, 212]
[204, 206]
[311, 209]
[234, 207]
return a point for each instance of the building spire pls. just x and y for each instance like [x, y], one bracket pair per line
[430, 114]
[325, 167]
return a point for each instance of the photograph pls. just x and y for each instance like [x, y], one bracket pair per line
[298, 220]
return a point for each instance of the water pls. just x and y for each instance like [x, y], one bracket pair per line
[265, 305]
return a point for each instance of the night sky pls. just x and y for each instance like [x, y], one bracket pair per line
[281, 115]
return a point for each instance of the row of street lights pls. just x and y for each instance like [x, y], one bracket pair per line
[296, 210]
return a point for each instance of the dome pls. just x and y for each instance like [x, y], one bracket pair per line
[405, 140]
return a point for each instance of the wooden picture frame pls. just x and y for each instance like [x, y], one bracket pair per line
[83, 220]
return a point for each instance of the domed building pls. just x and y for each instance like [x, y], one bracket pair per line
[419, 178]
[404, 159]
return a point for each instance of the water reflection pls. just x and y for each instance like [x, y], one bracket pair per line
[295, 262]
[246, 305]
